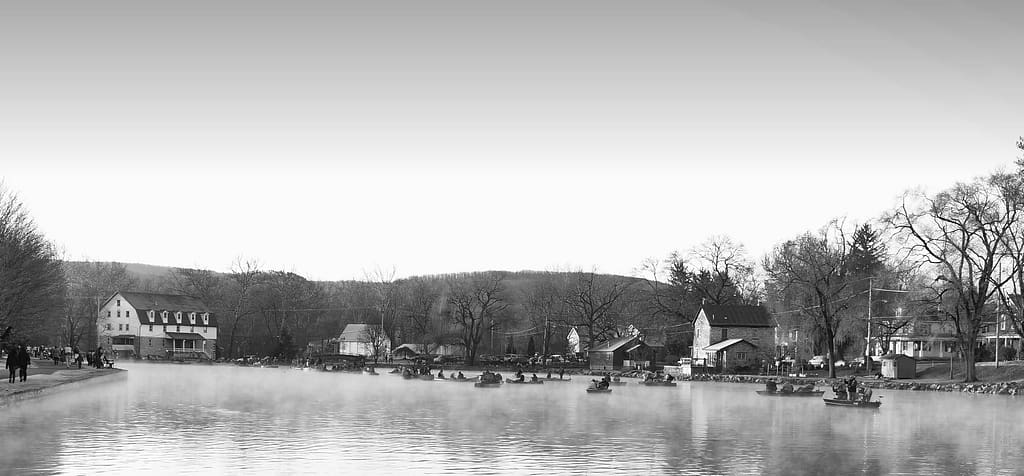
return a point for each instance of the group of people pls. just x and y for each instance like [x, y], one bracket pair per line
[849, 389]
[520, 377]
[17, 362]
[658, 377]
[787, 387]
[490, 377]
[602, 384]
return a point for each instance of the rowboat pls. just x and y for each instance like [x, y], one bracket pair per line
[816, 393]
[455, 379]
[556, 379]
[617, 383]
[487, 384]
[524, 382]
[598, 390]
[659, 383]
[426, 377]
[852, 403]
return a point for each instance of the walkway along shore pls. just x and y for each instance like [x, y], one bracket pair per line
[46, 379]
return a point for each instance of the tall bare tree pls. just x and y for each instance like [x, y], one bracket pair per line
[960, 234]
[31, 277]
[814, 267]
[475, 303]
[594, 302]
[245, 276]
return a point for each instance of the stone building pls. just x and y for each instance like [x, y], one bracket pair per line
[156, 326]
[718, 323]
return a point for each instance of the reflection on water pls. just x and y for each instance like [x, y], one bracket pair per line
[193, 419]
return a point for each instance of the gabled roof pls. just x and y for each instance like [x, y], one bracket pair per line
[413, 348]
[612, 345]
[725, 344]
[736, 316]
[357, 333]
[144, 302]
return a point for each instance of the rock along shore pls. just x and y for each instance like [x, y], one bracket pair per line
[993, 388]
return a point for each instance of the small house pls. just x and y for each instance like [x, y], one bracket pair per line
[731, 354]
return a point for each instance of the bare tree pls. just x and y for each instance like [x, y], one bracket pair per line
[245, 276]
[594, 302]
[959, 233]
[544, 301]
[88, 284]
[725, 273]
[813, 266]
[32, 283]
[386, 291]
[475, 303]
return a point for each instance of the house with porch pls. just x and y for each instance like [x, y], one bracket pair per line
[628, 351]
[156, 326]
[739, 329]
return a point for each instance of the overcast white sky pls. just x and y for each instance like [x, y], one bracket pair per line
[329, 138]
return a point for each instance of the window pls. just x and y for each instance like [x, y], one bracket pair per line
[163, 316]
[151, 315]
[110, 326]
[108, 313]
[118, 303]
[725, 334]
[151, 328]
[150, 340]
[124, 341]
[165, 328]
[192, 318]
[118, 313]
[741, 356]
[204, 329]
[177, 317]
[1002, 325]
[119, 327]
[206, 318]
[127, 313]
[128, 327]
[191, 329]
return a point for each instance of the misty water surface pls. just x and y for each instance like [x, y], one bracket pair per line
[193, 419]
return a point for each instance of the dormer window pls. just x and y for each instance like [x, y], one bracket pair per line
[206, 318]
[177, 317]
[192, 318]
[151, 315]
[163, 316]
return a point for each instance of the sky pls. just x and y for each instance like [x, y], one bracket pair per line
[334, 138]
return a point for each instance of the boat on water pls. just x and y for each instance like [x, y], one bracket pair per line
[556, 379]
[815, 393]
[456, 379]
[659, 383]
[524, 382]
[852, 403]
[617, 383]
[598, 390]
[425, 377]
[487, 384]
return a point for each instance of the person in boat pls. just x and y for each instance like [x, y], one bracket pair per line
[606, 381]
[440, 374]
[616, 378]
[771, 386]
[669, 378]
[840, 390]
[535, 378]
[806, 388]
[851, 388]
[649, 377]
[460, 376]
[519, 376]
[865, 394]
[787, 388]
[549, 375]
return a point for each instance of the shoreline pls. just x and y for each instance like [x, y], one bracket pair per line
[41, 385]
[1012, 388]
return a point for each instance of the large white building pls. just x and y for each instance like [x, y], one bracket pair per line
[160, 326]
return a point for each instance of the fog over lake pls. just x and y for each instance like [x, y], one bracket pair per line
[193, 419]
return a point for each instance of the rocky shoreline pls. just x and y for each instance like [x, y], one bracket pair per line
[992, 388]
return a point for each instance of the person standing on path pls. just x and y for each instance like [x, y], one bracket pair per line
[23, 360]
[12, 363]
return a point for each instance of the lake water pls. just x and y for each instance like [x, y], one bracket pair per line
[192, 419]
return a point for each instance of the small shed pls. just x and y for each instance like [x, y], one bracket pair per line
[898, 366]
[610, 355]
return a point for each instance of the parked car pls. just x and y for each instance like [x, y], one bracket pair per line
[817, 362]
[446, 359]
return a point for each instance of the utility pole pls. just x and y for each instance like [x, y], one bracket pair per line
[867, 345]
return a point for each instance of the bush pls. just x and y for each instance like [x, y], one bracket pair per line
[983, 354]
[1007, 353]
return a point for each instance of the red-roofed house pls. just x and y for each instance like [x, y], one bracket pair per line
[151, 325]
[748, 329]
